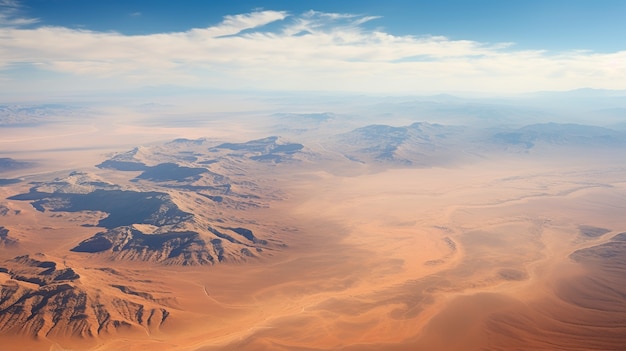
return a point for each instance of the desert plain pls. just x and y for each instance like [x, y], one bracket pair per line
[521, 251]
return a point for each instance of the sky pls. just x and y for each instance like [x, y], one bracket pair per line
[56, 47]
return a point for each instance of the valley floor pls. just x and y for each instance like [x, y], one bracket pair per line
[506, 255]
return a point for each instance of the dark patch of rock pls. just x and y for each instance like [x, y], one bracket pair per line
[592, 232]
[126, 166]
[124, 207]
[185, 248]
[171, 172]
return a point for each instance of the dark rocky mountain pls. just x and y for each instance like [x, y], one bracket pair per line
[166, 245]
[171, 171]
[124, 207]
[26, 269]
[186, 248]
[270, 149]
[127, 243]
[418, 144]
[9, 164]
[143, 214]
[42, 298]
[425, 144]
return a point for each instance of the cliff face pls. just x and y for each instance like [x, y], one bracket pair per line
[186, 248]
[41, 299]
[126, 243]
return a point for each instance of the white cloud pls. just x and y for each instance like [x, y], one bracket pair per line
[235, 24]
[311, 51]
[10, 15]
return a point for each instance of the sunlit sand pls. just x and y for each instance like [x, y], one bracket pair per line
[471, 257]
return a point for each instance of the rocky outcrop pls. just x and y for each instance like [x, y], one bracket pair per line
[417, 144]
[187, 248]
[270, 149]
[5, 239]
[172, 210]
[34, 271]
[127, 243]
[125, 207]
[42, 300]
[591, 231]
[171, 172]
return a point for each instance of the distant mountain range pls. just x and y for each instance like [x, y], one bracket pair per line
[562, 134]
[32, 115]
[425, 144]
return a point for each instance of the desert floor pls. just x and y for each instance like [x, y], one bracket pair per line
[468, 258]
[437, 259]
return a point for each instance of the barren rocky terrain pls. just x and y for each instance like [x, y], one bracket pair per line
[416, 237]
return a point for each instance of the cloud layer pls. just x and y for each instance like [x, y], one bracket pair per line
[10, 14]
[273, 50]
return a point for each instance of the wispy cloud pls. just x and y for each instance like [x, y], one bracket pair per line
[10, 15]
[232, 25]
[310, 51]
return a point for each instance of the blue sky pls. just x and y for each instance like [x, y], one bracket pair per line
[380, 47]
[532, 24]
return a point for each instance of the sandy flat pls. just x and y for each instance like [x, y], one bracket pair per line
[470, 258]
